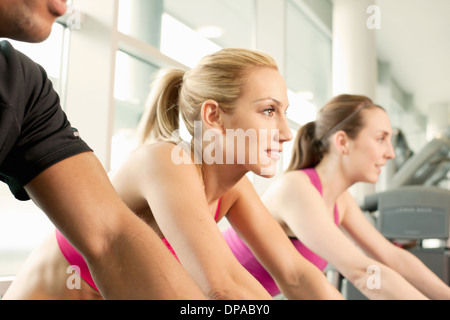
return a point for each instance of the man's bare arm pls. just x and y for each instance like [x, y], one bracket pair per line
[126, 258]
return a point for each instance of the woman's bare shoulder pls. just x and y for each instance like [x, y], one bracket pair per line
[153, 161]
[288, 189]
[291, 180]
[160, 155]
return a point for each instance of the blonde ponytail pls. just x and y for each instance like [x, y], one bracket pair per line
[161, 117]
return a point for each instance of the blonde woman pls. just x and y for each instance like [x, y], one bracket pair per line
[349, 143]
[233, 103]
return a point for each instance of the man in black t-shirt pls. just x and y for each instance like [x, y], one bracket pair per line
[43, 158]
[34, 131]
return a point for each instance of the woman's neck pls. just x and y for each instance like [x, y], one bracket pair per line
[333, 178]
[219, 178]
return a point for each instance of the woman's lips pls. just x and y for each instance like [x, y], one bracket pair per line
[274, 154]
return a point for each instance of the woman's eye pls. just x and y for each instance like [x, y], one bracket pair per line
[269, 111]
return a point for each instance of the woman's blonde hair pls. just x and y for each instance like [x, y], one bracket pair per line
[343, 112]
[219, 76]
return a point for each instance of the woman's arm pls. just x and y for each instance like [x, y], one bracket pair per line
[302, 208]
[296, 277]
[176, 196]
[127, 259]
[400, 260]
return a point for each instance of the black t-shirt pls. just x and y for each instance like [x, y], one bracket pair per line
[34, 131]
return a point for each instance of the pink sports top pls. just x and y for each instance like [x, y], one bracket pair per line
[249, 261]
[76, 259]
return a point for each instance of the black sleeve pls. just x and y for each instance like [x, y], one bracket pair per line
[34, 131]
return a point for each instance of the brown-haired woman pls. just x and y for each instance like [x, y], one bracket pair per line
[348, 143]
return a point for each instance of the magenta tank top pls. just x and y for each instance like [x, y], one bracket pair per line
[249, 261]
[76, 259]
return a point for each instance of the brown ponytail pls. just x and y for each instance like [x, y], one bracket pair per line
[308, 151]
[343, 112]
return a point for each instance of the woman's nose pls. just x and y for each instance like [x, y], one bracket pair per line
[390, 154]
[285, 133]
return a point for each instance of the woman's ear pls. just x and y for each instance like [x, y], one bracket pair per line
[341, 142]
[212, 115]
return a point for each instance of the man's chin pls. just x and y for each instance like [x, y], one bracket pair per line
[31, 34]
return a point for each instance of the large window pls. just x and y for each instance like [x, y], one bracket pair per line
[308, 56]
[132, 83]
[157, 22]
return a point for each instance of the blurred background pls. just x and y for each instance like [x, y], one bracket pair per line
[102, 55]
